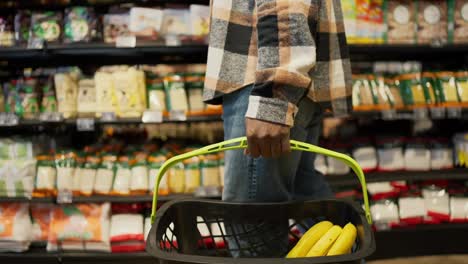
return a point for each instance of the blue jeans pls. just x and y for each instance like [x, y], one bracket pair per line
[290, 177]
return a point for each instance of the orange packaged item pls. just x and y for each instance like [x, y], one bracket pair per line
[88, 174]
[15, 223]
[46, 175]
[40, 214]
[123, 174]
[65, 165]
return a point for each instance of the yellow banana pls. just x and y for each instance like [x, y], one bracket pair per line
[309, 239]
[345, 241]
[325, 242]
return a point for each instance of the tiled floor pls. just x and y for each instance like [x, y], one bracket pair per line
[451, 259]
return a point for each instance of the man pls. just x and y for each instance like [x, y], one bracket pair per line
[276, 65]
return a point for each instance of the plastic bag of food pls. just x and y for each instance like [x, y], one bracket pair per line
[106, 100]
[458, 209]
[89, 174]
[436, 201]
[366, 155]
[40, 216]
[105, 174]
[45, 27]
[15, 227]
[45, 176]
[80, 161]
[7, 38]
[27, 98]
[448, 86]
[121, 185]
[441, 154]
[49, 101]
[127, 233]
[210, 171]
[22, 24]
[417, 155]
[66, 87]
[20, 182]
[200, 22]
[412, 210]
[65, 164]
[139, 178]
[115, 25]
[176, 97]
[145, 22]
[86, 97]
[155, 161]
[80, 24]
[363, 98]
[156, 93]
[194, 83]
[390, 154]
[176, 22]
[384, 214]
[130, 92]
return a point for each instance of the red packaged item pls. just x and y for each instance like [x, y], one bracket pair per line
[436, 201]
[127, 233]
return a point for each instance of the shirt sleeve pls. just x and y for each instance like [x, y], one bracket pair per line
[296, 40]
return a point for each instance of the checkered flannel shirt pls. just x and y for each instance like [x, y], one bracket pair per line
[287, 49]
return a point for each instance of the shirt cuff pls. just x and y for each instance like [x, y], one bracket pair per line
[272, 110]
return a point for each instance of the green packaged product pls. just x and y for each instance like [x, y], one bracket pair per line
[462, 85]
[156, 94]
[45, 27]
[176, 98]
[432, 94]
[27, 101]
[80, 24]
[411, 89]
[448, 86]
[49, 101]
[194, 83]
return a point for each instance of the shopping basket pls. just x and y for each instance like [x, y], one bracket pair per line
[209, 231]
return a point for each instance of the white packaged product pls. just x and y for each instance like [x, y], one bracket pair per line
[46, 175]
[88, 175]
[390, 155]
[145, 22]
[15, 223]
[411, 207]
[441, 156]
[336, 167]
[385, 211]
[320, 164]
[139, 178]
[417, 157]
[126, 227]
[86, 97]
[122, 177]
[366, 156]
[458, 209]
[436, 201]
[105, 92]
[105, 174]
[66, 88]
[65, 164]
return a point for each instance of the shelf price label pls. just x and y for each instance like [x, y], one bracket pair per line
[51, 117]
[177, 115]
[9, 119]
[85, 124]
[420, 113]
[151, 116]
[108, 117]
[454, 112]
[389, 114]
[64, 197]
[438, 112]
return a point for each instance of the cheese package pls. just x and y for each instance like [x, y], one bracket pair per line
[121, 185]
[66, 88]
[105, 174]
[130, 91]
[105, 92]
[86, 97]
[40, 216]
[65, 166]
[139, 178]
[145, 22]
[88, 174]
[46, 175]
[401, 22]
[176, 97]
[200, 22]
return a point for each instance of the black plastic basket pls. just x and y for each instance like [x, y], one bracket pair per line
[207, 231]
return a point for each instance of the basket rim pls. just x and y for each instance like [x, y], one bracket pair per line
[153, 249]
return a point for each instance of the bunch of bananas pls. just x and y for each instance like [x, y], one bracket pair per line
[325, 239]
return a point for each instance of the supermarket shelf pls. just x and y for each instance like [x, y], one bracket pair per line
[14, 4]
[422, 240]
[351, 179]
[102, 198]
[152, 53]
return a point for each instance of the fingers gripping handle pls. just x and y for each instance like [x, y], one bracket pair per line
[240, 143]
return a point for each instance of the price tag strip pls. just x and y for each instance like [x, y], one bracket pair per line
[177, 115]
[85, 124]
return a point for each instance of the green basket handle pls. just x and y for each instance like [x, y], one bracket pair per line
[241, 143]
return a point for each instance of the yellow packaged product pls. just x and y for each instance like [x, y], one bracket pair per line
[155, 161]
[462, 84]
[192, 174]
[177, 178]
[130, 92]
[448, 85]
[105, 93]
[210, 171]
[66, 88]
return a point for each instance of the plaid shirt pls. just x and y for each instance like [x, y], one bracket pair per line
[288, 49]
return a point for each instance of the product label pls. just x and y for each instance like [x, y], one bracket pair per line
[402, 14]
[432, 14]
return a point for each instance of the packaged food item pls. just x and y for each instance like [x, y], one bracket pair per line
[448, 86]
[80, 161]
[432, 22]
[411, 89]
[7, 38]
[376, 19]
[200, 22]
[221, 168]
[106, 99]
[384, 214]
[66, 87]
[412, 210]
[436, 201]
[40, 216]
[145, 22]
[390, 154]
[175, 92]
[21, 149]
[365, 154]
[431, 92]
[49, 101]
[320, 164]
[45, 27]
[86, 97]
[65, 164]
[105, 173]
[210, 171]
[458, 21]
[130, 92]
[441, 154]
[20, 175]
[194, 83]
[350, 20]
[22, 24]
[192, 174]
[127, 233]
[115, 25]
[89, 172]
[417, 155]
[121, 185]
[458, 209]
[27, 101]
[147, 226]
[401, 23]
[364, 96]
[139, 178]
[176, 179]
[79, 226]
[155, 161]
[394, 93]
[176, 22]
[15, 227]
[156, 94]
[11, 96]
[380, 91]
[80, 24]
[462, 85]
[45, 176]
[364, 26]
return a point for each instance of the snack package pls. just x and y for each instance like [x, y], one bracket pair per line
[89, 174]
[432, 22]
[436, 201]
[431, 93]
[194, 83]
[76, 225]
[376, 18]
[462, 84]
[390, 154]
[65, 164]
[45, 27]
[192, 174]
[7, 38]
[458, 209]
[80, 24]
[105, 173]
[364, 27]
[458, 21]
[127, 233]
[412, 210]
[155, 92]
[155, 161]
[106, 100]
[417, 155]
[27, 99]
[200, 22]
[441, 154]
[40, 216]
[46, 176]
[401, 22]
[176, 22]
[22, 24]
[86, 97]
[350, 20]
[384, 214]
[448, 86]
[366, 155]
[21, 172]
[176, 97]
[139, 178]
[15, 227]
[145, 22]
[121, 185]
[49, 101]
[115, 25]
[66, 88]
